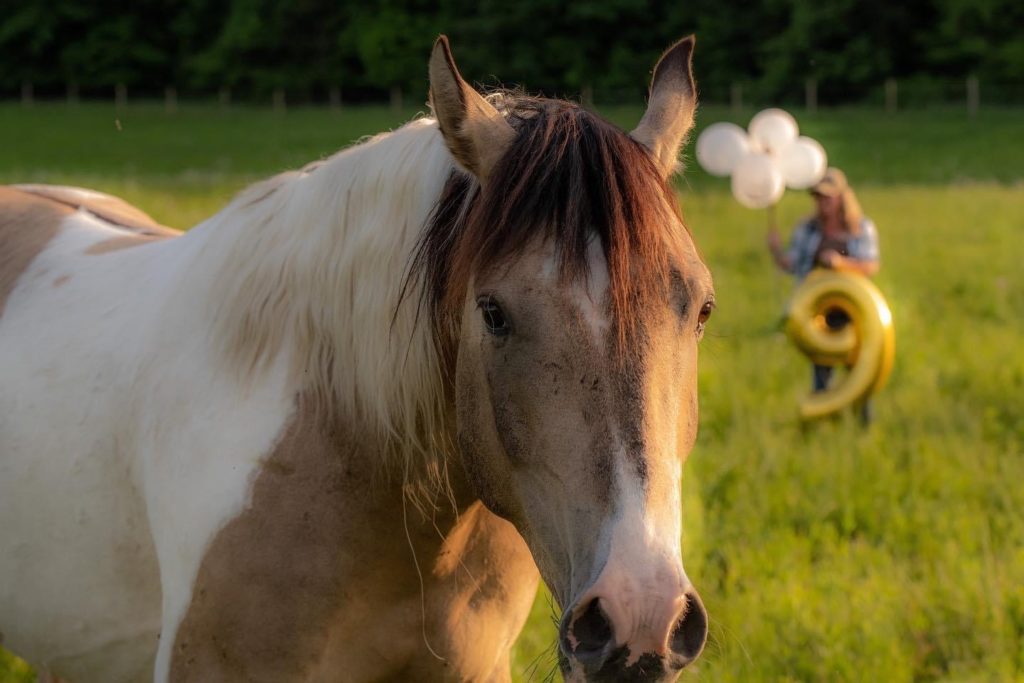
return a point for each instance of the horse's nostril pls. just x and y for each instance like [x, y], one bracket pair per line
[591, 630]
[691, 630]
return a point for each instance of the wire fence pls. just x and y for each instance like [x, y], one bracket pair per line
[891, 95]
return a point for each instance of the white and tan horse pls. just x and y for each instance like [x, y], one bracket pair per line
[333, 432]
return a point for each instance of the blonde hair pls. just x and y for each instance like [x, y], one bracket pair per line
[852, 213]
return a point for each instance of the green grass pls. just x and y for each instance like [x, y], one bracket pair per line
[13, 669]
[890, 554]
[822, 553]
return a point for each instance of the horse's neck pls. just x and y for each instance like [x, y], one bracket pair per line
[311, 264]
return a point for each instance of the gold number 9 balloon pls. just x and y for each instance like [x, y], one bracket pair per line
[860, 336]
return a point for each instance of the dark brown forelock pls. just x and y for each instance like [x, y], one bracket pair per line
[568, 175]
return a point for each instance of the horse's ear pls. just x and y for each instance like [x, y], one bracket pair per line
[476, 133]
[671, 106]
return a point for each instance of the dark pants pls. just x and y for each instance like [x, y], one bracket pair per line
[822, 375]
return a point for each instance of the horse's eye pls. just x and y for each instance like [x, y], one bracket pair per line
[494, 317]
[705, 313]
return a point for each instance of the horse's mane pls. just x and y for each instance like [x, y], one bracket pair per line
[307, 265]
[569, 176]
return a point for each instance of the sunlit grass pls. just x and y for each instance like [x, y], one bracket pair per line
[834, 553]
[14, 669]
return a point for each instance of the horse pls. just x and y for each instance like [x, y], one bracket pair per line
[339, 430]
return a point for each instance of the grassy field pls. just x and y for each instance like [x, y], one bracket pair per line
[828, 553]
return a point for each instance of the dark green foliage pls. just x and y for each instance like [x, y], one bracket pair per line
[307, 47]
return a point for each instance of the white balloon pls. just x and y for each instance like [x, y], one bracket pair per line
[802, 162]
[773, 129]
[757, 181]
[720, 147]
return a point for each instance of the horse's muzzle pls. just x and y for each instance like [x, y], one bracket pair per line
[652, 651]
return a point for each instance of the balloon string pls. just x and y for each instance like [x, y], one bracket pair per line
[778, 284]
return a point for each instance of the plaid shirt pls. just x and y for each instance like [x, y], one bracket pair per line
[806, 240]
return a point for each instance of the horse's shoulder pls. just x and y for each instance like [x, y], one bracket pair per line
[283, 557]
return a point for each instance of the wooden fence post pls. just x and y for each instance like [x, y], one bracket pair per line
[27, 95]
[891, 96]
[396, 98]
[811, 95]
[587, 96]
[171, 99]
[334, 97]
[736, 97]
[973, 96]
[279, 102]
[120, 97]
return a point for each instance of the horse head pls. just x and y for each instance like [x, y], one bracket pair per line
[570, 299]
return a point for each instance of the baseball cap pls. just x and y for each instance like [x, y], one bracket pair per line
[832, 184]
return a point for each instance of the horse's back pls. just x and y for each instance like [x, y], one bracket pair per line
[111, 209]
[67, 488]
[32, 216]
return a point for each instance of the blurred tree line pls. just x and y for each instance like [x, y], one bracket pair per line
[372, 47]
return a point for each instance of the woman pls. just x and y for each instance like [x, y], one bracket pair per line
[838, 236]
